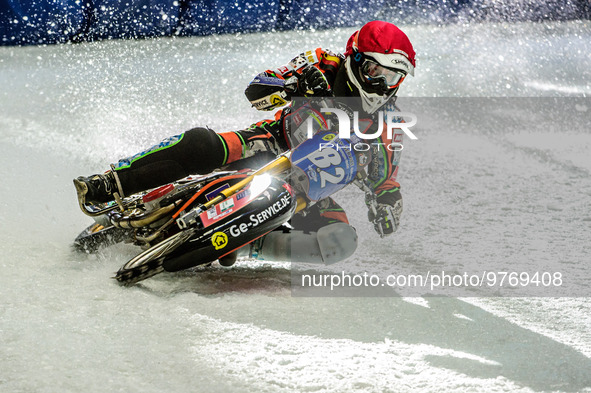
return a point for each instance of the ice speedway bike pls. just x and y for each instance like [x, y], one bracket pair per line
[198, 220]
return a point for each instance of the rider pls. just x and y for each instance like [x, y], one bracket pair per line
[376, 61]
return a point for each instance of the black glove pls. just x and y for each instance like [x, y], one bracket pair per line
[386, 217]
[310, 83]
[266, 93]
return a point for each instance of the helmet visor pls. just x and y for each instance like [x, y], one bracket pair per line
[387, 78]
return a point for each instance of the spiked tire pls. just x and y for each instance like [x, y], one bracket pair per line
[96, 236]
[149, 262]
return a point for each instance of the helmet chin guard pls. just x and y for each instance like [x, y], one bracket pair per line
[371, 99]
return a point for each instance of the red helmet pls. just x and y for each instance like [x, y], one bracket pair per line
[379, 56]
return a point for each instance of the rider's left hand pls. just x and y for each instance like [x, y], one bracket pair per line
[386, 218]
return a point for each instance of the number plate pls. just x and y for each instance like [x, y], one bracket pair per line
[327, 162]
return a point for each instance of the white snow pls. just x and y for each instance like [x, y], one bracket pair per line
[512, 197]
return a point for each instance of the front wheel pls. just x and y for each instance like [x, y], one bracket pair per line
[149, 262]
[222, 229]
[264, 212]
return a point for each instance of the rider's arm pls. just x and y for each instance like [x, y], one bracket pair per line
[385, 214]
[272, 89]
[382, 180]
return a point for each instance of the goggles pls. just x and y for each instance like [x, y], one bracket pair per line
[386, 77]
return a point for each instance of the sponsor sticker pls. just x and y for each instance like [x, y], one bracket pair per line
[212, 194]
[212, 213]
[256, 219]
[243, 194]
[219, 240]
[277, 100]
[227, 204]
[312, 174]
[226, 207]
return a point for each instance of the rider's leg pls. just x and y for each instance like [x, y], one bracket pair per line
[323, 235]
[197, 151]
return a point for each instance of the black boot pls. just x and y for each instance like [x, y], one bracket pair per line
[96, 188]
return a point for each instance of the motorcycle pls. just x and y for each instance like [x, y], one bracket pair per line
[198, 220]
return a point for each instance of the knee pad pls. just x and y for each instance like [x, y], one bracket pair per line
[332, 243]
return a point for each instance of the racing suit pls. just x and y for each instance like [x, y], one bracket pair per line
[202, 150]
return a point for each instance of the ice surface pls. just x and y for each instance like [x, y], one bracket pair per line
[66, 326]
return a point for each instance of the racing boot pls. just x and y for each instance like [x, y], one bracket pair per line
[97, 188]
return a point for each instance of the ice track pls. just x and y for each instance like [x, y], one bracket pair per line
[505, 197]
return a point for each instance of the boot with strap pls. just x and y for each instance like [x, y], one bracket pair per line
[97, 188]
